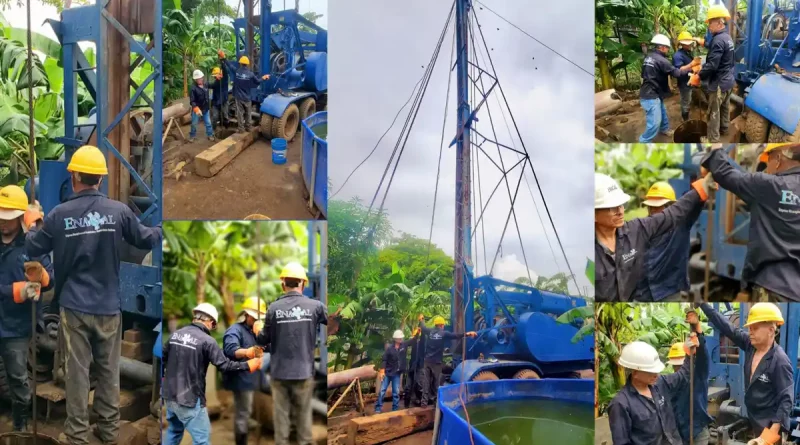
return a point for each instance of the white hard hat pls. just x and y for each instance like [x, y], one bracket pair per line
[607, 192]
[398, 334]
[208, 309]
[197, 74]
[639, 356]
[661, 39]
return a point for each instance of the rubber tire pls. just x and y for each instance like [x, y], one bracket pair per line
[307, 108]
[485, 376]
[266, 126]
[756, 128]
[526, 374]
[776, 134]
[286, 127]
[5, 394]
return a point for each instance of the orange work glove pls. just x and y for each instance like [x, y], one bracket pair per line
[31, 217]
[694, 80]
[254, 352]
[696, 69]
[421, 317]
[221, 54]
[258, 326]
[26, 290]
[381, 374]
[36, 273]
[265, 77]
[700, 41]
[471, 334]
[416, 331]
[197, 111]
[770, 437]
[704, 186]
[218, 76]
[254, 364]
[696, 61]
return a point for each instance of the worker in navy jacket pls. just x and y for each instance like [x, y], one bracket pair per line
[680, 398]
[772, 263]
[642, 413]
[667, 262]
[187, 354]
[768, 373]
[217, 86]
[85, 234]
[241, 344]
[434, 354]
[243, 82]
[717, 74]
[412, 389]
[22, 279]
[683, 56]
[393, 365]
[621, 247]
[200, 100]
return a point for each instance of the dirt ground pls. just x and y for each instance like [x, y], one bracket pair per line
[628, 123]
[250, 184]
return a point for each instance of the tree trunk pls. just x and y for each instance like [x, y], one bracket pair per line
[605, 72]
[201, 279]
[185, 77]
[227, 299]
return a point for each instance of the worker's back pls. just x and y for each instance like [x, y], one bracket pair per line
[668, 261]
[293, 320]
[85, 234]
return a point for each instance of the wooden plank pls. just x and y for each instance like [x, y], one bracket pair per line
[383, 427]
[212, 160]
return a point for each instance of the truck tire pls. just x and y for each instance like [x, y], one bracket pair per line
[484, 376]
[286, 126]
[777, 134]
[266, 126]
[756, 128]
[307, 108]
[525, 374]
[4, 391]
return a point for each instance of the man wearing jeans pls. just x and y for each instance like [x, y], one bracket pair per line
[186, 356]
[290, 329]
[85, 234]
[656, 70]
[199, 100]
[394, 363]
[717, 73]
[18, 287]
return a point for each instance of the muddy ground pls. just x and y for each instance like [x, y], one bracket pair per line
[628, 123]
[250, 184]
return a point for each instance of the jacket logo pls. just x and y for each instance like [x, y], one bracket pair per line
[186, 339]
[789, 198]
[763, 378]
[661, 401]
[297, 313]
[629, 256]
[92, 219]
[435, 336]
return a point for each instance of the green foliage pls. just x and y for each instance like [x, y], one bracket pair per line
[637, 167]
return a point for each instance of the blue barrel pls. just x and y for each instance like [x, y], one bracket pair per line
[315, 136]
[485, 401]
[279, 151]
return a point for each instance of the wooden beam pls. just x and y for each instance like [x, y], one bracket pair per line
[212, 160]
[343, 378]
[380, 428]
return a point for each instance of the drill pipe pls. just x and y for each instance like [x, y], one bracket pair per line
[128, 368]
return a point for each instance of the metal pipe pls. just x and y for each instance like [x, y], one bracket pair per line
[729, 409]
[128, 368]
[697, 262]
[737, 100]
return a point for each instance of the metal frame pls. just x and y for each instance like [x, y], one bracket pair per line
[318, 273]
[140, 287]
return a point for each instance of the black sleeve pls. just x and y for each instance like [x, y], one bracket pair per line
[712, 59]
[452, 336]
[322, 315]
[784, 385]
[738, 336]
[619, 419]
[747, 186]
[192, 98]
[676, 381]
[137, 234]
[39, 242]
[673, 216]
[669, 68]
[385, 358]
[218, 359]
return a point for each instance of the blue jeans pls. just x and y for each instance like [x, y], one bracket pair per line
[194, 420]
[206, 121]
[657, 120]
[395, 379]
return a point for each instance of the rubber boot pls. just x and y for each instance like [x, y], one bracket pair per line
[241, 439]
[685, 116]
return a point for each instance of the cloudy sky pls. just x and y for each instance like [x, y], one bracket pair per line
[377, 54]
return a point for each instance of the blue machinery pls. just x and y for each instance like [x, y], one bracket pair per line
[727, 386]
[772, 95]
[516, 323]
[295, 59]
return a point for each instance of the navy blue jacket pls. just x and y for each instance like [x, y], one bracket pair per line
[637, 420]
[656, 70]
[15, 318]
[668, 261]
[290, 329]
[680, 399]
[435, 342]
[773, 248]
[679, 59]
[717, 72]
[199, 97]
[243, 82]
[238, 336]
[187, 355]
[769, 396]
[85, 234]
[394, 359]
[417, 353]
[216, 86]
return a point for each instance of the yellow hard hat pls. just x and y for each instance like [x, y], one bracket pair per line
[215, 71]
[659, 194]
[438, 320]
[685, 38]
[255, 307]
[676, 354]
[88, 159]
[244, 60]
[13, 202]
[771, 147]
[716, 12]
[761, 312]
[294, 270]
